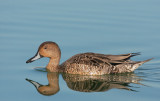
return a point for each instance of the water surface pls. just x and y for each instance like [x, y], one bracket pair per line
[108, 27]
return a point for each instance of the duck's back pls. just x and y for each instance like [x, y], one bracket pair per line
[99, 64]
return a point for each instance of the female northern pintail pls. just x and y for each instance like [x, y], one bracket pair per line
[86, 63]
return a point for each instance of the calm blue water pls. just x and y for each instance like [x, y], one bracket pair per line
[102, 26]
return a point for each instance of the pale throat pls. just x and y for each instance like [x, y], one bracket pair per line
[53, 65]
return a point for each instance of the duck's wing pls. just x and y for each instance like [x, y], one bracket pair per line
[111, 59]
[98, 59]
[122, 56]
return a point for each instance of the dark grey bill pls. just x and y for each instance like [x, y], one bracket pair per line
[36, 57]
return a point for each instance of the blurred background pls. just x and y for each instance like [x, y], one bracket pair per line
[77, 26]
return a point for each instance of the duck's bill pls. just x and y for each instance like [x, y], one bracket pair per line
[36, 57]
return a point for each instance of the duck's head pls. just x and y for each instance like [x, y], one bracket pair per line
[47, 49]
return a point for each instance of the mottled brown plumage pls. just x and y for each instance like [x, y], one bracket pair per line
[87, 63]
[99, 64]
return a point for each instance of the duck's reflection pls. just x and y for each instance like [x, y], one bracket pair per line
[52, 87]
[87, 83]
[100, 83]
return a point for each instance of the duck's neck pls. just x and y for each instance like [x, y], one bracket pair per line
[53, 65]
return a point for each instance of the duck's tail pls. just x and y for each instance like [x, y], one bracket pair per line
[142, 62]
[139, 63]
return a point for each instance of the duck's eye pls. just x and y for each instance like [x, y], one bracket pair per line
[45, 47]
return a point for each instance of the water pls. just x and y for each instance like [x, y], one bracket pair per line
[109, 27]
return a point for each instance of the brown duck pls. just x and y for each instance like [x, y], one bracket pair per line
[86, 63]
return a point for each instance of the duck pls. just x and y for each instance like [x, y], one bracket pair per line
[86, 63]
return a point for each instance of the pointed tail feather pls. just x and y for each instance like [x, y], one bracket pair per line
[137, 64]
[142, 62]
